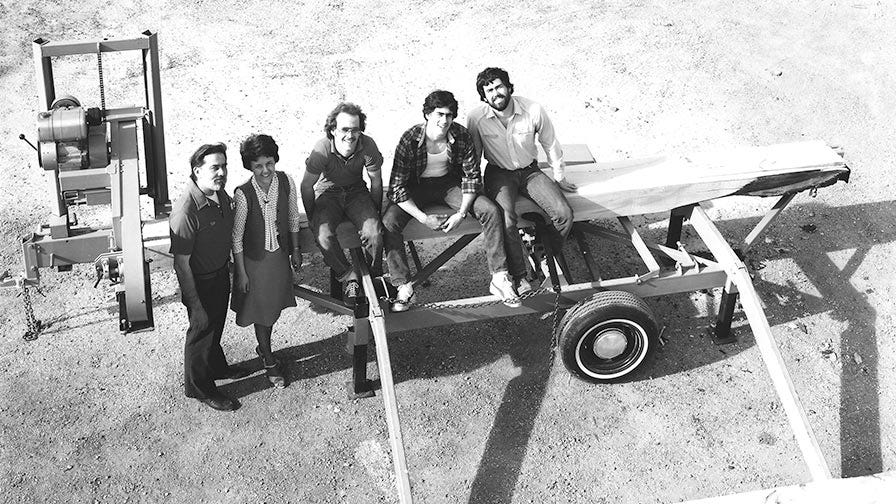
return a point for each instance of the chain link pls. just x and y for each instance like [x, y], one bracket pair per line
[34, 326]
[555, 334]
[99, 69]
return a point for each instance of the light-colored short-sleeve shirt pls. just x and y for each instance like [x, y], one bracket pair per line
[513, 147]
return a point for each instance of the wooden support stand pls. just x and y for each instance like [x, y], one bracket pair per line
[738, 275]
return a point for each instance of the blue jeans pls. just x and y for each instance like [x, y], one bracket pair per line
[441, 190]
[504, 186]
[330, 209]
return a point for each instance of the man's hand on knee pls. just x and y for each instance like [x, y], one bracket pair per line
[452, 222]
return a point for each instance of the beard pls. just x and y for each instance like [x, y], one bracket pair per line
[504, 103]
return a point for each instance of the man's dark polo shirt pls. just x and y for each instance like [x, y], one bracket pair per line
[202, 229]
[337, 171]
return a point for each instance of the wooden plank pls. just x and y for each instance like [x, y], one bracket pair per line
[387, 385]
[765, 341]
[873, 489]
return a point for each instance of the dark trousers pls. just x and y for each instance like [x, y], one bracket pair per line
[505, 185]
[330, 209]
[203, 356]
[441, 190]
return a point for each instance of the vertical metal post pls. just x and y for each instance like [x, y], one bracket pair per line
[157, 171]
[359, 338]
[127, 226]
[676, 219]
[721, 329]
[46, 92]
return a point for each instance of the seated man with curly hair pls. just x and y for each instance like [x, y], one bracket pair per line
[435, 162]
[333, 189]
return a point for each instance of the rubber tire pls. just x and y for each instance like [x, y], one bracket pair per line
[617, 309]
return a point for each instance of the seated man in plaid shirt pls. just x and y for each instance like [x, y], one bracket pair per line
[435, 162]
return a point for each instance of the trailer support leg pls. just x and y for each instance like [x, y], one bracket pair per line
[721, 329]
[765, 341]
[376, 319]
[358, 337]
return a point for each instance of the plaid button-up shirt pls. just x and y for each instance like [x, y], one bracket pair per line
[410, 161]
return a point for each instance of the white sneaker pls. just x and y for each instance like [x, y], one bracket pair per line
[502, 286]
[523, 286]
[404, 298]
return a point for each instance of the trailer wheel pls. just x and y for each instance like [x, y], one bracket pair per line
[607, 336]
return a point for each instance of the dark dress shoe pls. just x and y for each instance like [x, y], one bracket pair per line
[220, 403]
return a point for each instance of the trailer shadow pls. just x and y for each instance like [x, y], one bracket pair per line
[461, 349]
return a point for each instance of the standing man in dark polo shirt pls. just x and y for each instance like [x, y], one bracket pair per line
[200, 225]
[333, 188]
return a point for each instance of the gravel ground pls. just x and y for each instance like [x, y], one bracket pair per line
[90, 415]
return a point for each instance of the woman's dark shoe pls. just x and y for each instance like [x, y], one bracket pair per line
[272, 370]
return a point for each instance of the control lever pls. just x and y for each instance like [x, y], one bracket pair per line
[22, 137]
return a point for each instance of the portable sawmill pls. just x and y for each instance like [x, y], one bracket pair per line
[98, 156]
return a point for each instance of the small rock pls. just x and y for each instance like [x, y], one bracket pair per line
[858, 358]
[809, 228]
[777, 73]
[802, 327]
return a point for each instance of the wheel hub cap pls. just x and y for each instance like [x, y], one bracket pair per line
[609, 344]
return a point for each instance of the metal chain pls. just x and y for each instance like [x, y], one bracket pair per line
[99, 68]
[34, 325]
[555, 334]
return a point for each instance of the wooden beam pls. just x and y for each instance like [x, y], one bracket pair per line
[873, 489]
[738, 274]
[384, 364]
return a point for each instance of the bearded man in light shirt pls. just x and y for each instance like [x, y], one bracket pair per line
[504, 130]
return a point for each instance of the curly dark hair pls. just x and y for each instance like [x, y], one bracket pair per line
[488, 75]
[198, 157]
[349, 108]
[437, 99]
[257, 146]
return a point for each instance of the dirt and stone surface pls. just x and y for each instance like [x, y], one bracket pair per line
[90, 415]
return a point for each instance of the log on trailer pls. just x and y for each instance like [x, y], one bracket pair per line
[660, 184]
